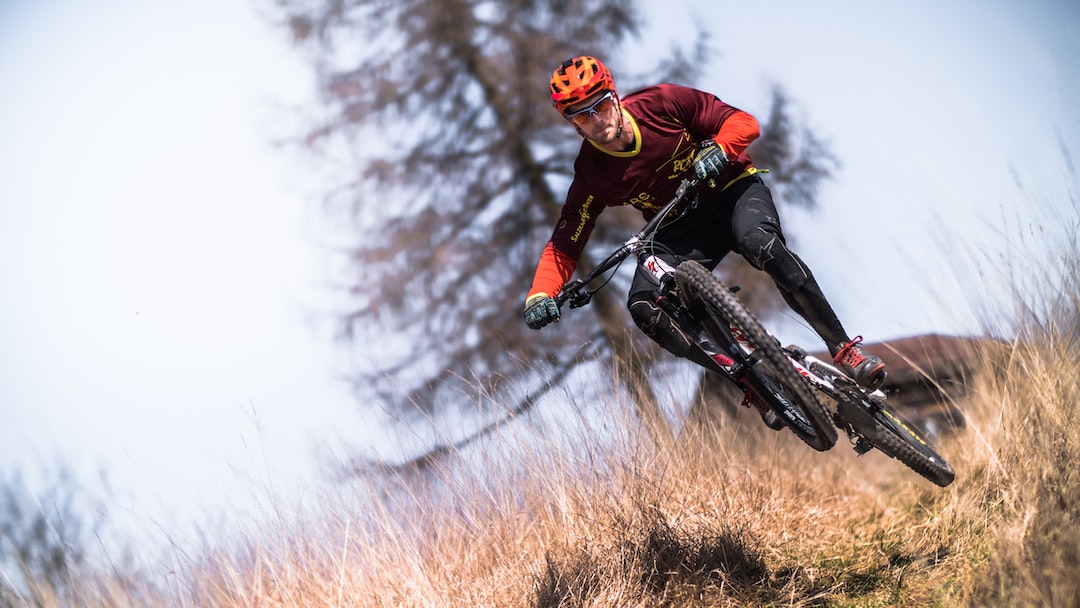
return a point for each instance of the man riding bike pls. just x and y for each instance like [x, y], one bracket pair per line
[635, 152]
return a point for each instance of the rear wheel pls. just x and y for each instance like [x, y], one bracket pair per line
[769, 372]
[881, 427]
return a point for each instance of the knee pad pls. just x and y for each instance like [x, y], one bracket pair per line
[766, 250]
[644, 311]
[656, 324]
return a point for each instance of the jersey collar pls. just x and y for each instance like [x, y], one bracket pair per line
[637, 139]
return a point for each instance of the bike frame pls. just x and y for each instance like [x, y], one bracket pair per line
[858, 412]
[574, 291]
[663, 275]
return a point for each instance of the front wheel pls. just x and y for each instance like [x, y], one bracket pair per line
[769, 372]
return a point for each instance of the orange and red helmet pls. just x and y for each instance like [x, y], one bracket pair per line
[576, 79]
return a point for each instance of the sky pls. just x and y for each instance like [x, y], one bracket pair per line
[948, 120]
[160, 283]
[162, 280]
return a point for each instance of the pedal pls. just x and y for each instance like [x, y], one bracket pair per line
[771, 420]
[769, 417]
[879, 381]
[862, 446]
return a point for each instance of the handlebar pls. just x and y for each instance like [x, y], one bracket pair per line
[575, 291]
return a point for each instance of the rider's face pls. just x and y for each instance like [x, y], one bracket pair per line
[598, 117]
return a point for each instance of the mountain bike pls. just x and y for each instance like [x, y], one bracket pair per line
[791, 388]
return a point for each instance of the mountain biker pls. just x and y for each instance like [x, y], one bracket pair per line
[635, 152]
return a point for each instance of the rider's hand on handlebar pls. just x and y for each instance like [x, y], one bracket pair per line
[541, 309]
[710, 161]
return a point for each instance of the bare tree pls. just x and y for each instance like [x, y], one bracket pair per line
[460, 168]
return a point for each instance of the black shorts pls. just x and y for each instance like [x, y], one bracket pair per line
[720, 224]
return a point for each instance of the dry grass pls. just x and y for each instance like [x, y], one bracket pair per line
[731, 516]
[734, 515]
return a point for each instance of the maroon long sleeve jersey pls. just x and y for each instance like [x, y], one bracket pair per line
[668, 122]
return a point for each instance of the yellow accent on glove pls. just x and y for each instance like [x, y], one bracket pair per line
[534, 297]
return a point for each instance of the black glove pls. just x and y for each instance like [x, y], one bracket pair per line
[540, 310]
[710, 162]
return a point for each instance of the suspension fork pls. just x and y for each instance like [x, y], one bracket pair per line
[663, 275]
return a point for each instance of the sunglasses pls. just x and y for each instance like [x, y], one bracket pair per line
[597, 107]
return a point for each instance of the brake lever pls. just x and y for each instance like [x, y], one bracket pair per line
[575, 294]
[580, 299]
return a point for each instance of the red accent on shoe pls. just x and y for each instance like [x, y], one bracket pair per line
[850, 355]
[867, 370]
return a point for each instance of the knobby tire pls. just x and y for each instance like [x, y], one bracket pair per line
[896, 437]
[772, 377]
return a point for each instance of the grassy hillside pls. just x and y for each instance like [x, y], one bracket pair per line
[732, 515]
